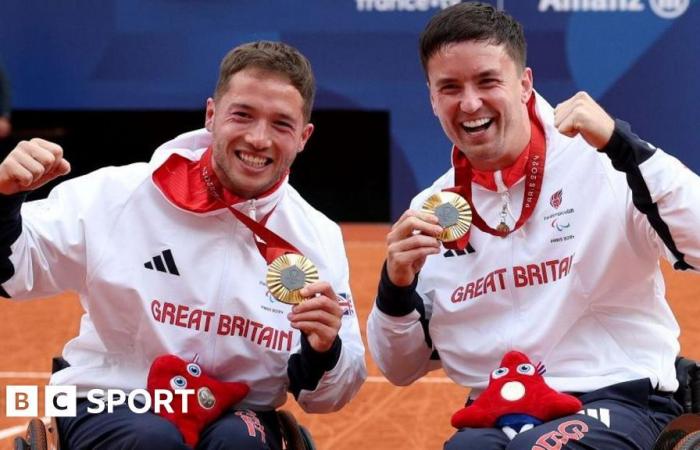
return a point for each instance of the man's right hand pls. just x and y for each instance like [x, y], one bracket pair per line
[31, 165]
[411, 239]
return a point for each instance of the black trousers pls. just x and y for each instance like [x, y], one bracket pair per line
[123, 429]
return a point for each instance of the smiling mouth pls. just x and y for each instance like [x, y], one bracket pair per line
[252, 160]
[474, 126]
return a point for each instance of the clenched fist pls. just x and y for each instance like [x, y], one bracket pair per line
[31, 165]
[582, 115]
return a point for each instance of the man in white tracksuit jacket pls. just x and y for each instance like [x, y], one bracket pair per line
[163, 267]
[573, 281]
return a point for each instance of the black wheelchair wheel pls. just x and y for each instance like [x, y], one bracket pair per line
[36, 435]
[307, 438]
[291, 432]
[668, 439]
[690, 442]
[20, 444]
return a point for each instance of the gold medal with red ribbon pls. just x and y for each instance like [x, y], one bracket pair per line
[288, 271]
[534, 175]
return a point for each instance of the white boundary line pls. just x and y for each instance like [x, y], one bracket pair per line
[45, 375]
[18, 429]
[429, 380]
[370, 379]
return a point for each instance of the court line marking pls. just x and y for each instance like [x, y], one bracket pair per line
[430, 380]
[18, 429]
[370, 379]
[13, 431]
[25, 374]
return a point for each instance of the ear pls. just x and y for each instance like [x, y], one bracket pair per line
[305, 135]
[526, 85]
[209, 116]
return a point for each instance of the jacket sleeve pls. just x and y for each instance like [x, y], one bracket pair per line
[46, 254]
[665, 197]
[397, 333]
[10, 230]
[325, 382]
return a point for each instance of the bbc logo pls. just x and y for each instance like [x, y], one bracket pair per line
[61, 401]
[23, 401]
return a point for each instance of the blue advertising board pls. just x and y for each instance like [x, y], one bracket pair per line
[639, 58]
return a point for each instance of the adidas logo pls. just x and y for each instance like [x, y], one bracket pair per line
[450, 253]
[163, 263]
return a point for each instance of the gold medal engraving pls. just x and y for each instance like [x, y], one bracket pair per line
[453, 212]
[288, 274]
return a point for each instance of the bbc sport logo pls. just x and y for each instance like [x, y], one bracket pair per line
[60, 401]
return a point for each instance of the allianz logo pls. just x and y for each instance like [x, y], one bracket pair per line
[666, 9]
[402, 5]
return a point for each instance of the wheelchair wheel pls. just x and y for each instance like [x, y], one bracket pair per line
[291, 432]
[307, 438]
[668, 439]
[36, 435]
[20, 444]
[690, 442]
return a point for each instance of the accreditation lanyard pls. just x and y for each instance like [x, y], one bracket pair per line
[534, 174]
[270, 245]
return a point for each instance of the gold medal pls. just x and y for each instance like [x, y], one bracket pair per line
[288, 274]
[453, 212]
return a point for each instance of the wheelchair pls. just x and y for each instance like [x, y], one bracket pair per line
[683, 433]
[39, 436]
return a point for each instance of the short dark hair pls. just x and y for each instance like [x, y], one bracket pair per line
[275, 57]
[472, 21]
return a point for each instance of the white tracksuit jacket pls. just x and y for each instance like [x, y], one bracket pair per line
[154, 278]
[578, 287]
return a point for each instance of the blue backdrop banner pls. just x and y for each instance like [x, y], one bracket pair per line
[639, 58]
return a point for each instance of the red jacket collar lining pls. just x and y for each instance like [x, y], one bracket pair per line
[511, 174]
[180, 180]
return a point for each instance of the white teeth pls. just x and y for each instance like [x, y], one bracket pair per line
[475, 123]
[252, 159]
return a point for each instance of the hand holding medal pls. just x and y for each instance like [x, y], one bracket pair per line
[319, 316]
[411, 239]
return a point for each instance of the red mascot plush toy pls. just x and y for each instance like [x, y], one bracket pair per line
[210, 399]
[516, 399]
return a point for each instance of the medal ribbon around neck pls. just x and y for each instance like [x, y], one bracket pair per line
[288, 270]
[534, 174]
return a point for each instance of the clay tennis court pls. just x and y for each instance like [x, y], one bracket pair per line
[381, 417]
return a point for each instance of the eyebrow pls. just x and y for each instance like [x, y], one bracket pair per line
[486, 73]
[245, 106]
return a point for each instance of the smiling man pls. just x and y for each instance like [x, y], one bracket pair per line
[174, 257]
[571, 213]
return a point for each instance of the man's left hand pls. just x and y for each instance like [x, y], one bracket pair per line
[319, 316]
[582, 115]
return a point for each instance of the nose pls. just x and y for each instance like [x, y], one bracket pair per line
[470, 101]
[258, 136]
